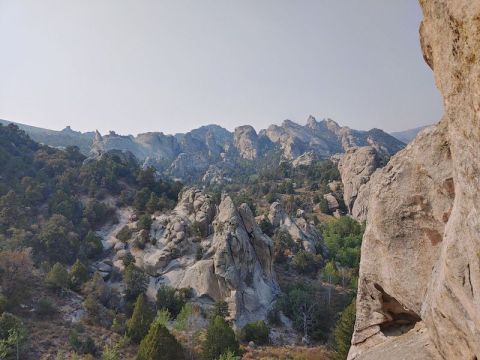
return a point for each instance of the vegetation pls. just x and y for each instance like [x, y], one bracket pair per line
[170, 299]
[219, 340]
[57, 278]
[343, 332]
[256, 331]
[135, 281]
[142, 317]
[159, 344]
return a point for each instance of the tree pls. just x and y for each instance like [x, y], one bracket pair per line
[12, 336]
[256, 331]
[306, 263]
[343, 332]
[16, 278]
[78, 275]
[92, 245]
[58, 239]
[282, 243]
[159, 344]
[152, 203]
[138, 324]
[220, 309]
[57, 277]
[145, 222]
[170, 299]
[135, 281]
[219, 340]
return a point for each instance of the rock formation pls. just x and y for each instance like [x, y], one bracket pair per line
[219, 253]
[246, 141]
[301, 231]
[420, 269]
[356, 166]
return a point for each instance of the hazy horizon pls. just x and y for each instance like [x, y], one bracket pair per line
[171, 66]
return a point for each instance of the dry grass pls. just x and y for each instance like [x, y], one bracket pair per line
[288, 353]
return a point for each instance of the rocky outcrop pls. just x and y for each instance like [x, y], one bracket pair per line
[306, 159]
[301, 231]
[219, 252]
[420, 269]
[356, 166]
[245, 139]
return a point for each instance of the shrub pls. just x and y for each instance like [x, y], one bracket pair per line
[159, 344]
[220, 339]
[282, 243]
[306, 263]
[16, 278]
[135, 281]
[13, 336]
[92, 245]
[124, 234]
[128, 259]
[78, 275]
[138, 324]
[220, 309]
[81, 346]
[195, 229]
[170, 299]
[57, 278]
[255, 331]
[44, 307]
[145, 222]
[228, 356]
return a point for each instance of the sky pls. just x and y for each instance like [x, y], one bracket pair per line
[153, 65]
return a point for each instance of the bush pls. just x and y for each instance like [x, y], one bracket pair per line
[128, 259]
[220, 309]
[57, 278]
[44, 307]
[16, 278]
[170, 299]
[81, 346]
[135, 281]
[282, 243]
[306, 263]
[124, 234]
[92, 245]
[13, 336]
[255, 331]
[219, 340]
[159, 344]
[138, 324]
[145, 222]
[78, 275]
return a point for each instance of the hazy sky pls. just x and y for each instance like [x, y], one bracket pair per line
[139, 65]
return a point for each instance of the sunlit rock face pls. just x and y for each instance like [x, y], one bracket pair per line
[420, 269]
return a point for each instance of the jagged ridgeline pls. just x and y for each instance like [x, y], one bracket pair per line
[212, 154]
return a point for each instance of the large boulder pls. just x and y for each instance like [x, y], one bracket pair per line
[420, 270]
[355, 167]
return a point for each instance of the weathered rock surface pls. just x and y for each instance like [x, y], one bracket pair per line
[301, 231]
[246, 141]
[356, 166]
[420, 265]
[219, 252]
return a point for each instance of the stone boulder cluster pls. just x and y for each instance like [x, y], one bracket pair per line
[419, 284]
[302, 231]
[218, 252]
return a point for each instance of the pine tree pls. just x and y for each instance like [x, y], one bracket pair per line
[159, 344]
[220, 339]
[57, 278]
[343, 332]
[78, 275]
[137, 325]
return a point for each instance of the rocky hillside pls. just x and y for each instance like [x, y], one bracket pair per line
[420, 269]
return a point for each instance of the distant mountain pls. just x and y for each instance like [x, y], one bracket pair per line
[408, 135]
[60, 139]
[212, 149]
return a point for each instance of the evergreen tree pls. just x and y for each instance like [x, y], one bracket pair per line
[57, 278]
[78, 275]
[159, 344]
[220, 339]
[137, 325]
[343, 332]
[135, 281]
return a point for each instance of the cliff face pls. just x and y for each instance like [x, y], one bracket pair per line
[419, 285]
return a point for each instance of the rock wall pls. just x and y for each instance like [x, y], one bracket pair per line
[419, 285]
